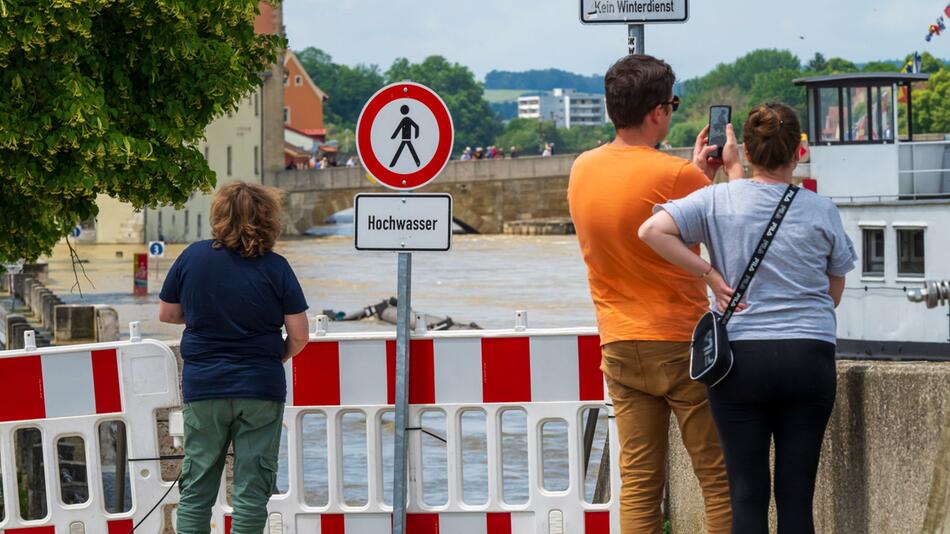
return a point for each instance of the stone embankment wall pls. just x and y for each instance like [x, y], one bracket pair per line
[30, 305]
[884, 450]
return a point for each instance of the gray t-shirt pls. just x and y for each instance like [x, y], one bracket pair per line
[788, 297]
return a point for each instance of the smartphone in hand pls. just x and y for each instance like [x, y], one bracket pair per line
[719, 117]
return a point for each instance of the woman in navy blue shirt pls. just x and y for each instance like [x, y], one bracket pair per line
[233, 294]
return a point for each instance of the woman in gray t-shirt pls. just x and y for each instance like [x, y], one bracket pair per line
[783, 381]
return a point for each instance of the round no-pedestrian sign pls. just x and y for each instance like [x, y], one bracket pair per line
[404, 135]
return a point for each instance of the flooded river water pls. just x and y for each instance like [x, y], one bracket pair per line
[483, 279]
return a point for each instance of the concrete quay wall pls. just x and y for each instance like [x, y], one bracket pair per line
[885, 465]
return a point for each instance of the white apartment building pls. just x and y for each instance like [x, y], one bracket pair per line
[565, 107]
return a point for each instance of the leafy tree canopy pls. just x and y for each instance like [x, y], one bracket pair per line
[931, 109]
[348, 87]
[104, 97]
[544, 80]
[475, 123]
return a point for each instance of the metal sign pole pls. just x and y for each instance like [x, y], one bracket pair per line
[634, 38]
[403, 309]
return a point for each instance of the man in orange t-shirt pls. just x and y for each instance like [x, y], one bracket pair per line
[646, 307]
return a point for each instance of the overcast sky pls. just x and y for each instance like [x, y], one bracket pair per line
[538, 34]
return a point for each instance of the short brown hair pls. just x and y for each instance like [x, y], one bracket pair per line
[246, 218]
[634, 85]
[772, 135]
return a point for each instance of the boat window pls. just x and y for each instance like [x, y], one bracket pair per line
[73, 482]
[113, 461]
[872, 252]
[282, 484]
[387, 436]
[597, 468]
[829, 114]
[31, 483]
[435, 466]
[882, 114]
[354, 459]
[316, 474]
[474, 445]
[514, 456]
[910, 252]
[857, 107]
[555, 472]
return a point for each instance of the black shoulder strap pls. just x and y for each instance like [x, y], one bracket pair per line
[760, 251]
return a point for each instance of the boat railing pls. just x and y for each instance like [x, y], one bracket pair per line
[884, 199]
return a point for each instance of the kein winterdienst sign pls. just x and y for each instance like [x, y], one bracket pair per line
[633, 11]
[403, 222]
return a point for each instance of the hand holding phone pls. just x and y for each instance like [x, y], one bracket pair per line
[719, 117]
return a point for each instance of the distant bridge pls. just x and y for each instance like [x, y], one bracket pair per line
[486, 193]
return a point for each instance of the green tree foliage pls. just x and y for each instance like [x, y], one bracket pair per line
[757, 77]
[525, 135]
[817, 64]
[544, 80]
[931, 108]
[475, 123]
[880, 66]
[348, 88]
[105, 97]
[929, 63]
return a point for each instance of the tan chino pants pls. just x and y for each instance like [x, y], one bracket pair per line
[647, 380]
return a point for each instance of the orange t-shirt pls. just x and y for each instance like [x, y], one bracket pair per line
[637, 294]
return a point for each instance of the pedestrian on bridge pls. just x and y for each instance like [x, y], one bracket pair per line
[646, 307]
[233, 293]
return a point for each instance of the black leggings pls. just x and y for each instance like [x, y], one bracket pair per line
[783, 389]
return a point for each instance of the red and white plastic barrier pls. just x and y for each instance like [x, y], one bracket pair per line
[69, 391]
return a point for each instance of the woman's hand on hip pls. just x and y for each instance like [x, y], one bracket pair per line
[722, 291]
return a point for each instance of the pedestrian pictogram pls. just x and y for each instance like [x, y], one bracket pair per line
[404, 135]
[405, 128]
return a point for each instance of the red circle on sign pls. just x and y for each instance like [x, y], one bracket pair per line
[364, 126]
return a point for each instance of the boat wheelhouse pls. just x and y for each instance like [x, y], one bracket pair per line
[893, 193]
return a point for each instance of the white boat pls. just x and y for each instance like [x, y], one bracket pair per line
[893, 193]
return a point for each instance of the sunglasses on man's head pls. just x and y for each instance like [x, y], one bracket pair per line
[675, 102]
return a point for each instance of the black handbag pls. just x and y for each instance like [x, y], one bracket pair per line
[710, 354]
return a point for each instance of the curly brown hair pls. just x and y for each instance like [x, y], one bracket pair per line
[245, 218]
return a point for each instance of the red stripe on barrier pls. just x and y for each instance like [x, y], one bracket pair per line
[21, 389]
[317, 375]
[105, 378]
[422, 523]
[597, 522]
[591, 387]
[120, 526]
[227, 518]
[421, 371]
[506, 369]
[332, 524]
[498, 522]
[32, 530]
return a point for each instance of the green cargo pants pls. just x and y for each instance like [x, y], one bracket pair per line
[210, 426]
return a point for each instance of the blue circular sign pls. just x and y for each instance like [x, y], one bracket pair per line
[156, 248]
[75, 231]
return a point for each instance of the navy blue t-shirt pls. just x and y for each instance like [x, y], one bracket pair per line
[234, 309]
